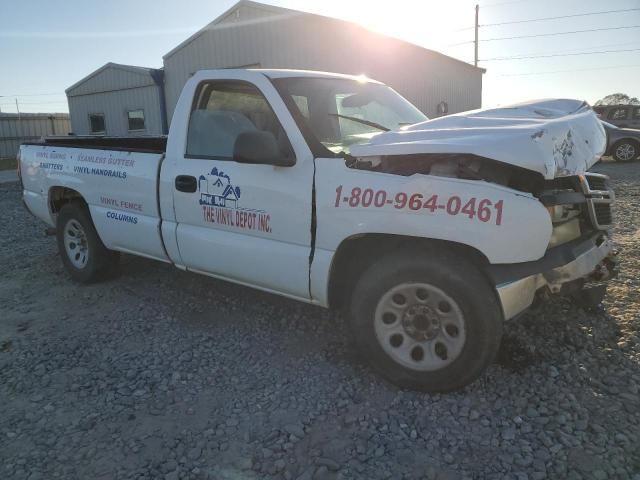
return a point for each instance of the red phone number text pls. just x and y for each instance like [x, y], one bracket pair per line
[482, 209]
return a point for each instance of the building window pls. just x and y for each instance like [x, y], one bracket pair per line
[96, 123]
[136, 120]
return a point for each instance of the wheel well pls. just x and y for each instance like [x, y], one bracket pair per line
[625, 140]
[356, 253]
[59, 196]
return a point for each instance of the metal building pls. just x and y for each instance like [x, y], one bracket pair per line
[16, 128]
[118, 100]
[252, 34]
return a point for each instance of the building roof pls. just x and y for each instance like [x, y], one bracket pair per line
[220, 18]
[151, 72]
[280, 11]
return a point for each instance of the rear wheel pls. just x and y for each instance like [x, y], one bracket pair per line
[83, 254]
[625, 151]
[426, 320]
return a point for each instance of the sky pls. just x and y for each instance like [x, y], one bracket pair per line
[48, 45]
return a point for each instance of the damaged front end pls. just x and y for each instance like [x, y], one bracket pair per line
[580, 254]
[542, 149]
[554, 138]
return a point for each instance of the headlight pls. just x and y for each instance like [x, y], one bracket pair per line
[564, 232]
[566, 224]
[562, 213]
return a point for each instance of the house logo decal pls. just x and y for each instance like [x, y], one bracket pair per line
[219, 200]
[217, 190]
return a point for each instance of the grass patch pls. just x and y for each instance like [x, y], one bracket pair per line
[8, 164]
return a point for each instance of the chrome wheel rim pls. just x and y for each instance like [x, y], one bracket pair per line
[625, 151]
[420, 326]
[75, 244]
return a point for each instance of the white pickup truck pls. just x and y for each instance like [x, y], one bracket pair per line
[336, 191]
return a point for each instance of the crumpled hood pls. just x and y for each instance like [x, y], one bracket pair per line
[553, 137]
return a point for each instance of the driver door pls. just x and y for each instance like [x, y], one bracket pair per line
[243, 222]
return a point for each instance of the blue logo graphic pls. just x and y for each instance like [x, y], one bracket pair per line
[216, 190]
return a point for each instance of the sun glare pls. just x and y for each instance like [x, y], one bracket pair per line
[432, 24]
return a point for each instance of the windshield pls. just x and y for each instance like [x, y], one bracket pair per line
[343, 112]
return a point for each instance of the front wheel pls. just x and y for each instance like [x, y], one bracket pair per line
[83, 254]
[426, 320]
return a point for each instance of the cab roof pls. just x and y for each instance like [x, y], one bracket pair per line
[290, 73]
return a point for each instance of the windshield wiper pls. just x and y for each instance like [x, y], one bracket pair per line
[363, 122]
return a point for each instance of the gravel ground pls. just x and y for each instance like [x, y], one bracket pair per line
[8, 176]
[160, 374]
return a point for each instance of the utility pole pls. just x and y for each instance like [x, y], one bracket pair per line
[17, 107]
[475, 43]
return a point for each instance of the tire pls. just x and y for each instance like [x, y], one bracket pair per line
[450, 323]
[625, 151]
[90, 260]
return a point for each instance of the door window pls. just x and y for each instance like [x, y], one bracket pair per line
[636, 113]
[222, 111]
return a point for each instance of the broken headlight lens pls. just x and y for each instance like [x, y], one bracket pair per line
[564, 232]
[566, 224]
[562, 213]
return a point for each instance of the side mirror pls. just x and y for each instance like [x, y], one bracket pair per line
[258, 147]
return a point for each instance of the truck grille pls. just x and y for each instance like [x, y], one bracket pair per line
[596, 182]
[600, 199]
[603, 213]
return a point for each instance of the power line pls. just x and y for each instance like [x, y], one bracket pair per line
[554, 33]
[34, 95]
[602, 45]
[561, 16]
[34, 103]
[565, 71]
[496, 59]
[580, 49]
[587, 14]
[463, 29]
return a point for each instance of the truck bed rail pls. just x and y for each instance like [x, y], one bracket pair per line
[149, 144]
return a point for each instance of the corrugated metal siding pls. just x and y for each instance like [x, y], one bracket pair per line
[28, 127]
[115, 105]
[111, 78]
[305, 41]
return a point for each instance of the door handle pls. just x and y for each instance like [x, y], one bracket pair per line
[186, 183]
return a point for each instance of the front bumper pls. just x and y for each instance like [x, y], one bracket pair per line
[517, 284]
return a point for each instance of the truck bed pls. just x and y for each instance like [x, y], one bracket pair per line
[147, 144]
[116, 177]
